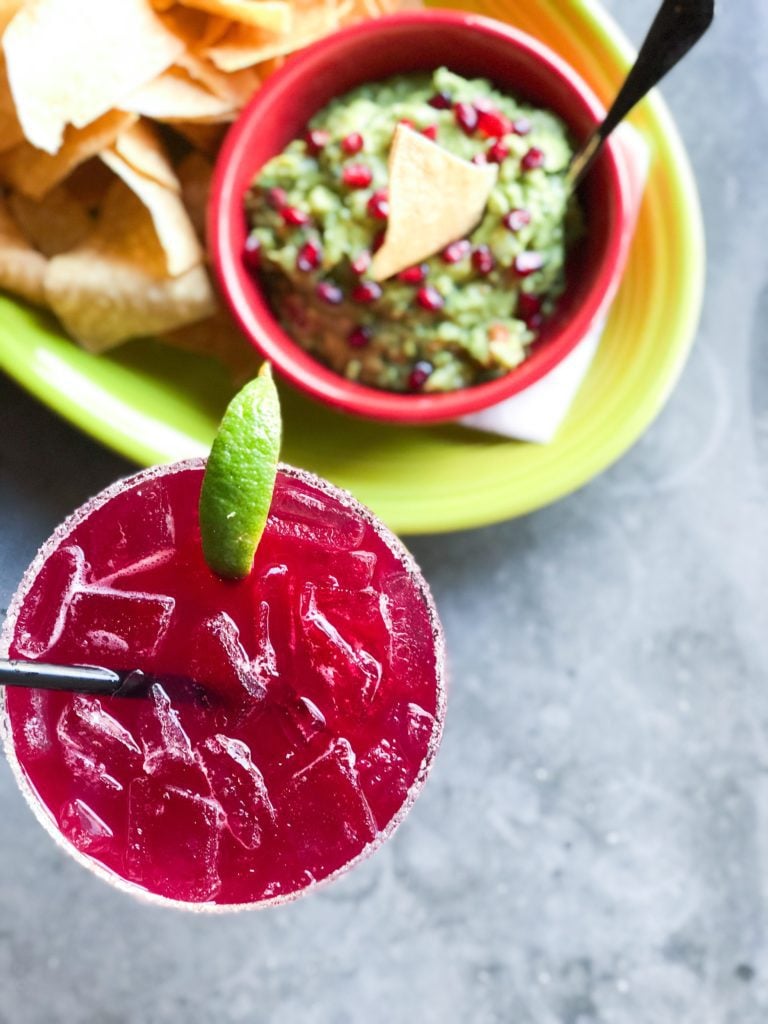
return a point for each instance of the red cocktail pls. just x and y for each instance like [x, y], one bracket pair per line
[296, 713]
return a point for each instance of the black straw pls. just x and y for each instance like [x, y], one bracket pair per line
[677, 26]
[89, 679]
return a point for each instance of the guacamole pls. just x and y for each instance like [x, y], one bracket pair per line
[465, 315]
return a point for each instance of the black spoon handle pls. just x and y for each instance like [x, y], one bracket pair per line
[71, 678]
[678, 25]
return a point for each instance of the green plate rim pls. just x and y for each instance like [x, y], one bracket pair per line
[141, 450]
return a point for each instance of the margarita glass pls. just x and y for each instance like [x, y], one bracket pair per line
[295, 713]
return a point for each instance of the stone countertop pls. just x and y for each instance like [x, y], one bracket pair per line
[592, 847]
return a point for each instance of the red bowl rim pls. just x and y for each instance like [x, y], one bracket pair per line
[298, 366]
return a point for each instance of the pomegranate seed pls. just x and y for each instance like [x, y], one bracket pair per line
[316, 140]
[419, 375]
[430, 132]
[414, 275]
[480, 159]
[378, 241]
[534, 322]
[378, 205]
[366, 291]
[528, 305]
[361, 262]
[429, 298]
[533, 158]
[358, 337]
[482, 259]
[521, 126]
[294, 217]
[493, 123]
[516, 219]
[466, 117]
[309, 256]
[441, 101]
[497, 153]
[357, 175]
[277, 198]
[329, 293]
[456, 251]
[528, 263]
[252, 253]
[352, 143]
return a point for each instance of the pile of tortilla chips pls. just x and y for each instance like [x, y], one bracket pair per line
[111, 112]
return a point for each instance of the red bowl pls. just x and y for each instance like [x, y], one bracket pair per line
[409, 41]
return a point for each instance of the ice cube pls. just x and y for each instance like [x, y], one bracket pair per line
[411, 637]
[359, 614]
[308, 717]
[36, 730]
[41, 619]
[385, 777]
[356, 569]
[324, 811]
[110, 643]
[220, 662]
[277, 588]
[90, 772]
[95, 744]
[84, 828]
[352, 570]
[162, 735]
[173, 840]
[127, 574]
[109, 626]
[265, 659]
[415, 727]
[352, 674]
[239, 787]
[121, 545]
[307, 518]
[390, 767]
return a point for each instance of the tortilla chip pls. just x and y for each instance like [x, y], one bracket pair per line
[186, 23]
[218, 337]
[205, 138]
[90, 182]
[140, 146]
[8, 9]
[243, 46]
[176, 96]
[54, 225]
[10, 129]
[195, 176]
[172, 224]
[71, 64]
[215, 28]
[33, 172]
[22, 267]
[435, 198]
[113, 286]
[237, 88]
[272, 15]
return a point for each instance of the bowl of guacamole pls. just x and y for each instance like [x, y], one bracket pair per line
[301, 205]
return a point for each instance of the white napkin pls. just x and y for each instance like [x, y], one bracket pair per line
[536, 413]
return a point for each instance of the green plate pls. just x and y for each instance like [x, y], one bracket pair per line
[154, 404]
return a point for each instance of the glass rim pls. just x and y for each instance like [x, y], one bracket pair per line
[41, 811]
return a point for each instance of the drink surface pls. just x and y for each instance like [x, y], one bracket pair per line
[296, 712]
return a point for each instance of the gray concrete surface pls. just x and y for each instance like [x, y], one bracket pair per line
[593, 845]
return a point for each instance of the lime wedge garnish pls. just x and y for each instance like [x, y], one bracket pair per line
[240, 477]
